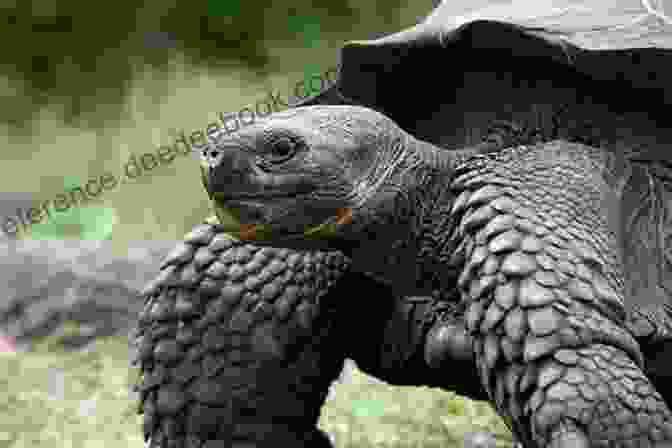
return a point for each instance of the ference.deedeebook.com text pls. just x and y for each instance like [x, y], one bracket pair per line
[146, 162]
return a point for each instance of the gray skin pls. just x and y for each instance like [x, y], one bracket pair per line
[246, 322]
[529, 238]
[400, 340]
[237, 345]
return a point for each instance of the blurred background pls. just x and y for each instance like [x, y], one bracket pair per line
[84, 86]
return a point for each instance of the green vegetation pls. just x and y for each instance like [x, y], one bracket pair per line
[52, 399]
[45, 156]
[87, 222]
[84, 56]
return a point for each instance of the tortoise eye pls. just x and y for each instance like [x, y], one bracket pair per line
[283, 149]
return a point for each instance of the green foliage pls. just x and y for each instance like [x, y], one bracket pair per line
[88, 222]
[224, 8]
[50, 398]
[83, 56]
[184, 96]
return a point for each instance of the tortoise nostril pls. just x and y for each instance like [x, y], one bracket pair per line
[213, 153]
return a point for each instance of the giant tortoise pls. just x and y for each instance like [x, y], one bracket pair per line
[526, 199]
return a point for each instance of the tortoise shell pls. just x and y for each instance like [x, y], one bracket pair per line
[596, 72]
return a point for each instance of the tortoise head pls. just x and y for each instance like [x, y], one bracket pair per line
[302, 176]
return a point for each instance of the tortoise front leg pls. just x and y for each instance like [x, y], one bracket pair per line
[448, 345]
[237, 345]
[544, 289]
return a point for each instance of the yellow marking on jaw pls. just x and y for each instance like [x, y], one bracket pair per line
[232, 225]
[226, 218]
[329, 229]
[250, 232]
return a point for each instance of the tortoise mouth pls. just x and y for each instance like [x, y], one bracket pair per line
[244, 219]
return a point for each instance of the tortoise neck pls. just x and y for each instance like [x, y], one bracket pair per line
[394, 242]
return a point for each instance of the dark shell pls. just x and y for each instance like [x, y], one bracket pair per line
[594, 72]
[591, 45]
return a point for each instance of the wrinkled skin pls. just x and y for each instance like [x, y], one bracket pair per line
[404, 341]
[238, 344]
[527, 237]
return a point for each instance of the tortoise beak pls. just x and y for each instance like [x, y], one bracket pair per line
[230, 171]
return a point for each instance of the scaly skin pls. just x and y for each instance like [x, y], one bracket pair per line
[652, 327]
[530, 239]
[238, 344]
[545, 291]
[448, 342]
[394, 344]
[404, 341]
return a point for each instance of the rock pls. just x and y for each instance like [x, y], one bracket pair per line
[10, 202]
[46, 283]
